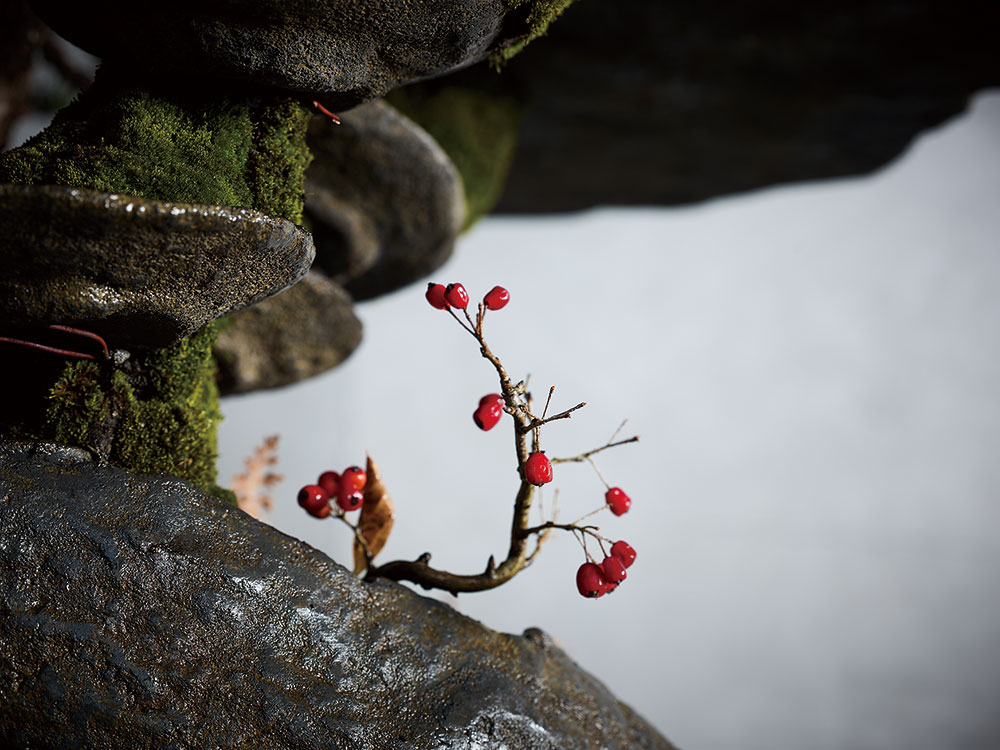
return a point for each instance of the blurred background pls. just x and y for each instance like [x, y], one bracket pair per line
[813, 372]
[812, 368]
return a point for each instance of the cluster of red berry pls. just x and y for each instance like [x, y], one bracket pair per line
[454, 295]
[346, 488]
[593, 580]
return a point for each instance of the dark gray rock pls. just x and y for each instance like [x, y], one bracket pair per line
[344, 51]
[143, 273]
[301, 332]
[384, 200]
[139, 612]
[651, 102]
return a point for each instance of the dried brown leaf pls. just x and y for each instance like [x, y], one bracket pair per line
[377, 516]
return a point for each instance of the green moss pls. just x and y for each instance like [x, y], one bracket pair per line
[78, 404]
[169, 427]
[537, 15]
[276, 164]
[175, 371]
[158, 415]
[477, 129]
[172, 147]
[159, 411]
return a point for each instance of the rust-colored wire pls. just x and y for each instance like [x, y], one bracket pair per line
[59, 350]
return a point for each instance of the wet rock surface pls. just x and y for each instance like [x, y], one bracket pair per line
[143, 273]
[303, 331]
[650, 102]
[138, 607]
[384, 200]
[345, 51]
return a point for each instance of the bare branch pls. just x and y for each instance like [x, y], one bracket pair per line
[518, 403]
[552, 389]
[561, 415]
[586, 456]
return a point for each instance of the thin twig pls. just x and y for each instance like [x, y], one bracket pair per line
[599, 474]
[518, 403]
[588, 529]
[552, 389]
[357, 535]
[476, 327]
[586, 456]
[471, 331]
[538, 546]
[561, 415]
[585, 516]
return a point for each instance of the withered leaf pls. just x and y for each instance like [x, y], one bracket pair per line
[377, 516]
[253, 485]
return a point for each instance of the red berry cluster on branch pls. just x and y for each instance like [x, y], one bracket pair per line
[345, 488]
[534, 468]
[593, 580]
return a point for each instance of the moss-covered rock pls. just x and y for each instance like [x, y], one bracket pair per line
[141, 273]
[342, 52]
[155, 414]
[537, 16]
[475, 124]
[172, 146]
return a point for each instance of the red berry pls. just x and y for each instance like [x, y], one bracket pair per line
[487, 415]
[614, 569]
[353, 479]
[618, 501]
[590, 580]
[496, 298]
[351, 499]
[435, 295]
[538, 469]
[491, 398]
[322, 512]
[329, 481]
[624, 552]
[456, 296]
[314, 498]
[311, 495]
